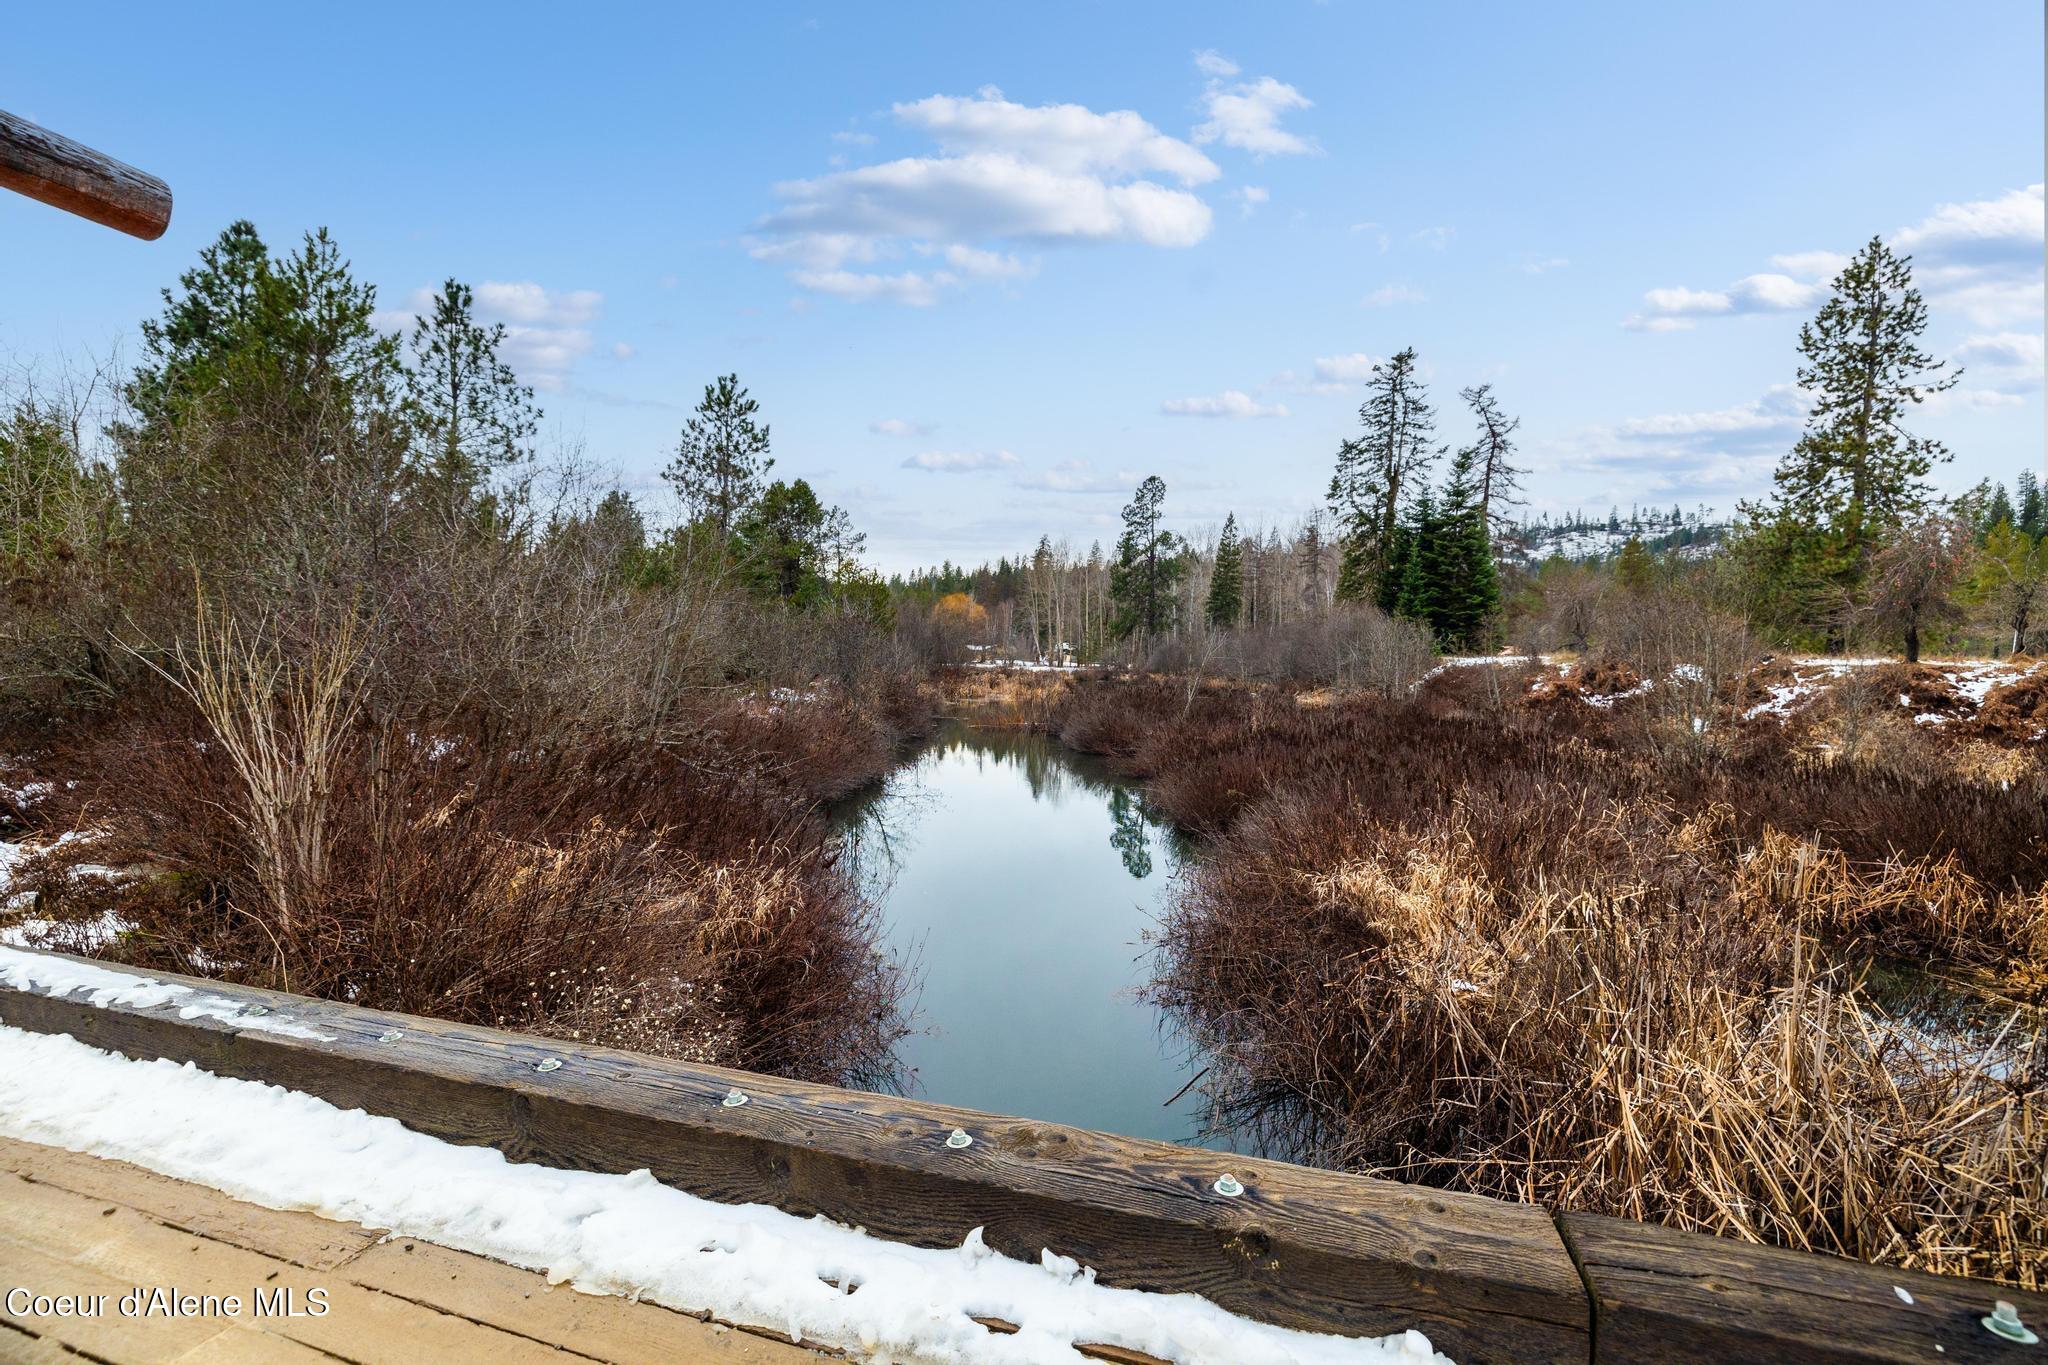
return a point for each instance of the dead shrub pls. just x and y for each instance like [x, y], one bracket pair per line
[681, 898]
[1628, 1018]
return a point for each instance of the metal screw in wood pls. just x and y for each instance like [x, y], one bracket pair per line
[2005, 1322]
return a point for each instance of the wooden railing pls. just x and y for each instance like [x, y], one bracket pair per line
[44, 165]
[1318, 1250]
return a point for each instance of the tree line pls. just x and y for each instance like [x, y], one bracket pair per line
[1851, 543]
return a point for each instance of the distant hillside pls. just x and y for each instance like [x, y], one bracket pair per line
[1587, 539]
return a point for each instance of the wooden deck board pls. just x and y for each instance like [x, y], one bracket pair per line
[78, 1224]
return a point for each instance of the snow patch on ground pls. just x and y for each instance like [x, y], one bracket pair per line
[102, 986]
[621, 1234]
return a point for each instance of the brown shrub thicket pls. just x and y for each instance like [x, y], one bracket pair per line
[1542, 953]
[680, 897]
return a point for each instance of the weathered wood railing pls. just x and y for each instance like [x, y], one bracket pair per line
[50, 167]
[1487, 1280]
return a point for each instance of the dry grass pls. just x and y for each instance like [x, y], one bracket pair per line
[1631, 1018]
[1546, 954]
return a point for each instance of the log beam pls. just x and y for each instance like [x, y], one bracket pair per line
[64, 174]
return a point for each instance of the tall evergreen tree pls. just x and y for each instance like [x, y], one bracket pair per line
[1857, 474]
[1633, 567]
[264, 412]
[795, 546]
[2030, 514]
[1466, 595]
[1375, 468]
[470, 412]
[1499, 479]
[1148, 564]
[722, 456]
[1226, 579]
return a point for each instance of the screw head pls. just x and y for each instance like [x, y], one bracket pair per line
[547, 1064]
[958, 1139]
[2005, 1322]
[256, 1009]
[1228, 1186]
[390, 1035]
[734, 1098]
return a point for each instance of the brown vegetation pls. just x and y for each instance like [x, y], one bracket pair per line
[679, 897]
[1548, 955]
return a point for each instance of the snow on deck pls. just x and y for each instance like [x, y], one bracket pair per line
[615, 1234]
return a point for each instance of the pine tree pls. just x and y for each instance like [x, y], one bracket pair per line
[794, 545]
[1226, 579]
[1415, 568]
[1148, 564]
[1309, 549]
[1499, 480]
[1633, 567]
[1856, 474]
[264, 390]
[1374, 470]
[1465, 597]
[722, 456]
[1997, 510]
[2030, 514]
[471, 413]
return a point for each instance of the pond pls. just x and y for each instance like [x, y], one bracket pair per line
[1023, 879]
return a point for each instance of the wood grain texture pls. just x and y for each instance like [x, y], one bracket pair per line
[43, 165]
[1664, 1295]
[1318, 1250]
[82, 1224]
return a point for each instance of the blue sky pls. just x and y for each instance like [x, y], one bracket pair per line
[985, 267]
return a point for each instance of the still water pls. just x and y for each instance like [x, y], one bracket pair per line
[1022, 880]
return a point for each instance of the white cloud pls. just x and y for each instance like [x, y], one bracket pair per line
[1782, 409]
[1004, 174]
[1435, 238]
[1074, 476]
[1387, 295]
[1232, 403]
[2003, 229]
[1214, 64]
[1249, 197]
[1067, 138]
[899, 428]
[1715, 454]
[955, 199]
[525, 301]
[910, 288]
[622, 350]
[546, 330]
[960, 462]
[2005, 350]
[1774, 293]
[1247, 116]
[1637, 322]
[1543, 265]
[854, 139]
[1981, 259]
[1959, 398]
[987, 265]
[1681, 300]
[1355, 368]
[1811, 265]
